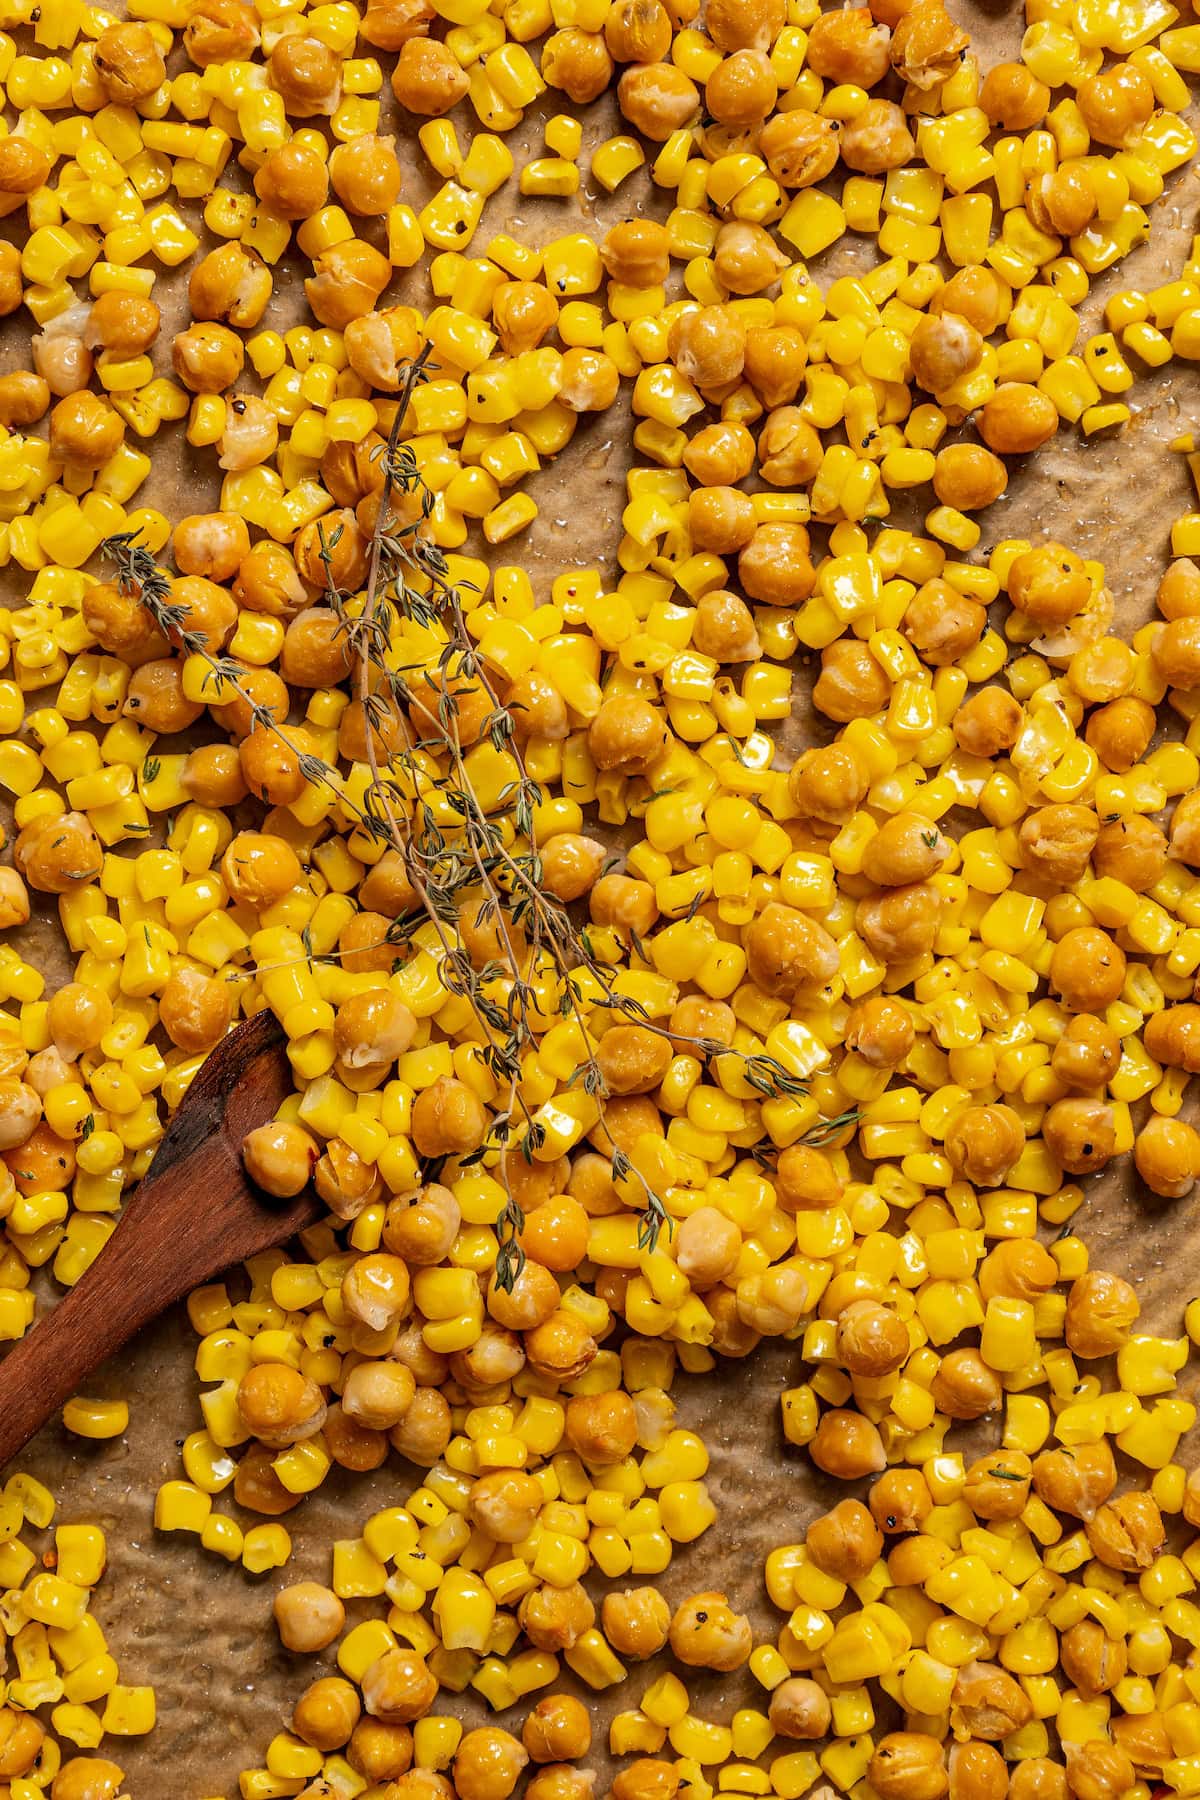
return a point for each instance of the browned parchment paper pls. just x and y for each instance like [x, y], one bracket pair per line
[199, 1629]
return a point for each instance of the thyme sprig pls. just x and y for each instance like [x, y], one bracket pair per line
[420, 800]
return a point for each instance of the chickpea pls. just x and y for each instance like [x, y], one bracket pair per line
[230, 284]
[964, 1386]
[448, 1119]
[87, 1778]
[211, 545]
[845, 1542]
[657, 99]
[257, 1487]
[1049, 585]
[1076, 1484]
[944, 348]
[1087, 968]
[347, 280]
[637, 252]
[21, 1740]
[849, 46]
[578, 62]
[877, 139]
[77, 1017]
[207, 358]
[706, 1633]
[987, 1702]
[908, 1765]
[636, 1622]
[219, 31]
[1056, 842]
[977, 1772]
[648, 1778]
[427, 79]
[943, 625]
[786, 951]
[1116, 104]
[195, 1010]
[601, 1428]
[638, 31]
[309, 1617]
[1080, 1135]
[375, 1290]
[1120, 733]
[1017, 419]
[292, 181]
[900, 923]
[1167, 1156]
[984, 1143]
[24, 396]
[1038, 1779]
[1087, 1054]
[997, 1486]
[424, 1431]
[800, 147]
[306, 73]
[561, 1346]
[1171, 1036]
[828, 783]
[14, 900]
[24, 167]
[880, 1030]
[85, 431]
[1097, 1770]
[11, 294]
[506, 1505]
[988, 723]
[775, 360]
[720, 454]
[747, 259]
[627, 735]
[326, 1713]
[790, 452]
[847, 1445]
[900, 1500]
[129, 63]
[279, 1405]
[871, 1340]
[707, 1247]
[398, 1688]
[58, 855]
[907, 847]
[384, 1753]
[558, 1728]
[632, 1058]
[1091, 1659]
[967, 476]
[571, 864]
[707, 344]
[799, 1709]
[1013, 97]
[913, 1560]
[555, 1618]
[851, 685]
[720, 519]
[1101, 1311]
[279, 1158]
[624, 904]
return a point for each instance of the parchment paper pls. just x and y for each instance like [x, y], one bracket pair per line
[199, 1629]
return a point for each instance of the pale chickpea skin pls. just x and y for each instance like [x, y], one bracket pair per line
[707, 1247]
[309, 1617]
[627, 735]
[398, 1688]
[375, 1290]
[636, 1622]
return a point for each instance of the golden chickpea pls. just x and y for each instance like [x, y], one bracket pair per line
[207, 358]
[900, 1500]
[900, 923]
[448, 1119]
[292, 182]
[230, 284]
[877, 139]
[775, 361]
[1087, 968]
[85, 431]
[828, 783]
[427, 79]
[636, 1622]
[1088, 1053]
[12, 288]
[1116, 103]
[257, 1487]
[913, 1560]
[790, 452]
[988, 723]
[657, 99]
[987, 1702]
[279, 1158]
[1098, 1770]
[1101, 1311]
[845, 1542]
[384, 1753]
[87, 1778]
[624, 904]
[1080, 1135]
[964, 1387]
[561, 1346]
[775, 567]
[967, 476]
[849, 47]
[871, 1340]
[1013, 97]
[944, 348]
[24, 167]
[632, 1058]
[1132, 851]
[997, 1486]
[927, 45]
[306, 73]
[786, 951]
[1179, 590]
[375, 1290]
[627, 735]
[309, 1617]
[1167, 1156]
[1076, 1483]
[706, 1633]
[907, 847]
[747, 259]
[881, 1031]
[1091, 1659]
[851, 685]
[638, 31]
[589, 381]
[279, 1405]
[347, 280]
[1038, 1778]
[506, 1505]
[259, 869]
[326, 1714]
[799, 1709]
[77, 1015]
[601, 1428]
[398, 1688]
[800, 147]
[558, 1729]
[1017, 419]
[1056, 842]
[195, 1010]
[1049, 585]
[421, 1227]
[720, 519]
[220, 31]
[425, 1430]
[742, 89]
[372, 1029]
[637, 252]
[745, 24]
[649, 1778]
[129, 63]
[977, 1772]
[210, 545]
[977, 295]
[555, 1618]
[571, 864]
[984, 1142]
[1061, 202]
[707, 1247]
[578, 62]
[21, 1739]
[14, 900]
[847, 1445]
[24, 396]
[58, 855]
[707, 344]
[1120, 733]
[943, 625]
[908, 1765]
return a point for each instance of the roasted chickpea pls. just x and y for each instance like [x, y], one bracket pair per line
[987, 1702]
[24, 396]
[984, 1143]
[988, 723]
[1013, 97]
[943, 348]
[624, 904]
[347, 280]
[398, 1688]
[1087, 968]
[746, 258]
[636, 1622]
[845, 1542]
[571, 864]
[309, 1617]
[85, 431]
[627, 735]
[720, 519]
[1101, 1311]
[877, 139]
[129, 62]
[1116, 103]
[1167, 1156]
[977, 1772]
[900, 923]
[558, 1728]
[555, 1618]
[279, 1405]
[786, 951]
[908, 1765]
[279, 1157]
[1056, 842]
[967, 476]
[707, 1247]
[1087, 1054]
[219, 31]
[707, 344]
[800, 147]
[852, 684]
[1098, 1770]
[789, 448]
[848, 46]
[997, 1486]
[326, 1713]
[58, 855]
[579, 63]
[657, 99]
[424, 1431]
[881, 1031]
[1078, 1482]
[632, 1058]
[1049, 585]
[1017, 419]
[871, 1340]
[1132, 851]
[86, 1778]
[1080, 1134]
[1091, 1659]
[964, 1386]
[799, 1709]
[847, 1445]
[195, 1010]
[706, 1633]
[977, 295]
[900, 1501]
[775, 360]
[1038, 1779]
[601, 1428]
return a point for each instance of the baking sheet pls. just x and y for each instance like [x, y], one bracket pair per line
[201, 1630]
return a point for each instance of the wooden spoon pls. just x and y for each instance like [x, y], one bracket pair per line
[193, 1215]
